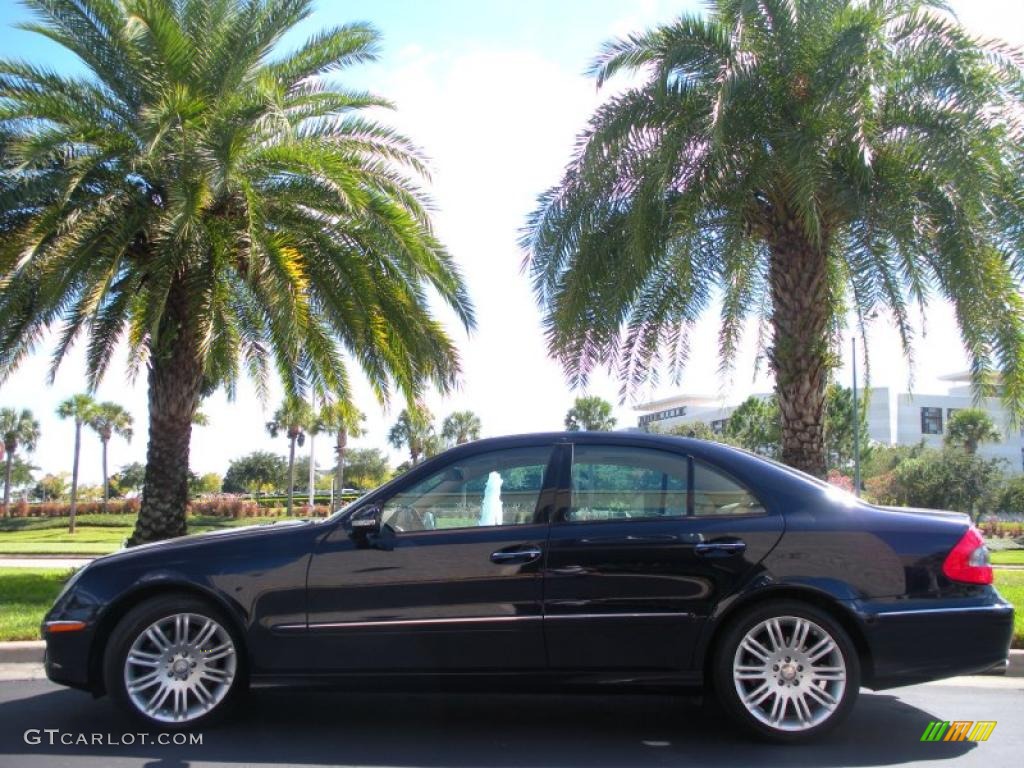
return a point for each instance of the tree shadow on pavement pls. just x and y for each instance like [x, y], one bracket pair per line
[330, 728]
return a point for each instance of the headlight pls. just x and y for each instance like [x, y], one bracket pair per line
[71, 582]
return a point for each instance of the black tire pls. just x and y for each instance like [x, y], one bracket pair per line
[726, 686]
[134, 623]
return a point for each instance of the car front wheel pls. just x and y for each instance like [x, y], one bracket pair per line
[787, 671]
[174, 662]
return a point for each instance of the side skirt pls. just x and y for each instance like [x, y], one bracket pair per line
[610, 681]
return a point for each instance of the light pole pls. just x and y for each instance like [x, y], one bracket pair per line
[856, 423]
[312, 461]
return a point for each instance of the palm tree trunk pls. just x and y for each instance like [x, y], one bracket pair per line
[291, 473]
[339, 471]
[799, 355]
[106, 482]
[7, 482]
[175, 381]
[74, 476]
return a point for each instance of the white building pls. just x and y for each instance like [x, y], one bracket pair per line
[894, 418]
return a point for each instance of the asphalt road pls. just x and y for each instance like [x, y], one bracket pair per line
[323, 728]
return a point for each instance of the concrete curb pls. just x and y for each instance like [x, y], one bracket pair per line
[1015, 668]
[21, 651]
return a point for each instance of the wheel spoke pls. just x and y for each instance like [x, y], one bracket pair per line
[158, 698]
[219, 652]
[799, 638]
[775, 634]
[803, 709]
[754, 648]
[180, 705]
[822, 696]
[778, 709]
[207, 631]
[144, 659]
[203, 694]
[820, 649]
[828, 673]
[158, 638]
[759, 694]
[750, 673]
[181, 629]
[217, 675]
[144, 682]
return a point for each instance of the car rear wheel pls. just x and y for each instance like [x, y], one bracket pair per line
[174, 662]
[787, 671]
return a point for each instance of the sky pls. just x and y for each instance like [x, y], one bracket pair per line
[494, 92]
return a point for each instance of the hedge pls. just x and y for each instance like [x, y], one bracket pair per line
[219, 506]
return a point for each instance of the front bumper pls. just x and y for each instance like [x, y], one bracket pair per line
[66, 660]
[915, 643]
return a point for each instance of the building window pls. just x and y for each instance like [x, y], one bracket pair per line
[931, 421]
[718, 426]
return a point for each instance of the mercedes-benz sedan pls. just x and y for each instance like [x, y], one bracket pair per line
[557, 562]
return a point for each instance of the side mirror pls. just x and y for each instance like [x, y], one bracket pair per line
[366, 524]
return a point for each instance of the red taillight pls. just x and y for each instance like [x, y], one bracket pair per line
[968, 560]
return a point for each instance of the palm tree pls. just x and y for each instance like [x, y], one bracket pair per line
[294, 418]
[17, 430]
[461, 427]
[415, 430]
[593, 414]
[345, 421]
[789, 161]
[109, 419]
[81, 409]
[221, 206]
[968, 428]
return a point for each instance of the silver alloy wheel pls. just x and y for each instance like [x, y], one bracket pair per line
[180, 667]
[789, 673]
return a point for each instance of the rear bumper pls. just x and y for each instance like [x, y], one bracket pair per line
[917, 643]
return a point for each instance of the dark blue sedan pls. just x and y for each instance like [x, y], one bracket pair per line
[555, 561]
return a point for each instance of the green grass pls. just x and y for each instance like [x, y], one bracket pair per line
[49, 536]
[87, 540]
[1011, 586]
[1008, 557]
[26, 594]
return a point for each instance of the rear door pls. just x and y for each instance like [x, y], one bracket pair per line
[644, 544]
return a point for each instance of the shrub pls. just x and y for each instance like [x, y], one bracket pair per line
[839, 480]
[947, 479]
[1010, 499]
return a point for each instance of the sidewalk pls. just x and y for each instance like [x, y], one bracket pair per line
[45, 561]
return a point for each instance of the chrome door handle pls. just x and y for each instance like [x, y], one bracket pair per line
[524, 555]
[720, 548]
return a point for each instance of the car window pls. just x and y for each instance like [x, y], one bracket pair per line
[495, 488]
[620, 482]
[716, 494]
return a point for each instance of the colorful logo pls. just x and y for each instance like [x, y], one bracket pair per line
[959, 730]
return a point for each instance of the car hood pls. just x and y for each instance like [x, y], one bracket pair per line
[200, 539]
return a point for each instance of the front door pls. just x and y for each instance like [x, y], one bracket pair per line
[454, 580]
[643, 546]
